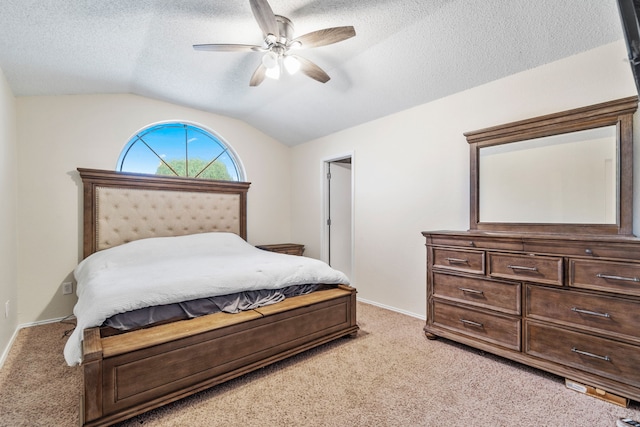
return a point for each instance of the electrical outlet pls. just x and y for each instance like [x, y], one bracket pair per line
[6, 309]
[67, 288]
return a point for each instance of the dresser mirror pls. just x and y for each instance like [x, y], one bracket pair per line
[568, 172]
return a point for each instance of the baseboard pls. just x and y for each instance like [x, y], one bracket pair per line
[7, 349]
[5, 353]
[397, 310]
[42, 322]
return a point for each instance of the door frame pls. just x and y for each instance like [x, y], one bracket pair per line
[324, 237]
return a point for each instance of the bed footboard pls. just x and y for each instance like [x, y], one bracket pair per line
[128, 374]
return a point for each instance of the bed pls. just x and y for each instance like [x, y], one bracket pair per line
[130, 372]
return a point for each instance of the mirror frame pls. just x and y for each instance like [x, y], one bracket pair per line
[618, 113]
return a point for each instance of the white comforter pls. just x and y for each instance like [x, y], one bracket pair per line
[166, 270]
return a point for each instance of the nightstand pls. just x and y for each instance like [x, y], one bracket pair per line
[284, 248]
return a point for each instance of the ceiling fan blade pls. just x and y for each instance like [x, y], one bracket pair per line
[312, 70]
[258, 75]
[228, 47]
[325, 37]
[265, 17]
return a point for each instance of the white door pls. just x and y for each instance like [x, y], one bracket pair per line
[339, 218]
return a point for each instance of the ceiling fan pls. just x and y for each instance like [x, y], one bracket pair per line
[279, 44]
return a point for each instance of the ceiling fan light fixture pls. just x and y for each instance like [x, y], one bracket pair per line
[270, 60]
[273, 73]
[291, 64]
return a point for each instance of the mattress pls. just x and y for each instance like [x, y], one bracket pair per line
[168, 270]
[232, 303]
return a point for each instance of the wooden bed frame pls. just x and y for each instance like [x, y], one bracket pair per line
[131, 373]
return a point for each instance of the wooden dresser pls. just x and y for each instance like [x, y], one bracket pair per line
[567, 304]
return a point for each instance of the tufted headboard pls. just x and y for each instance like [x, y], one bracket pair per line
[121, 207]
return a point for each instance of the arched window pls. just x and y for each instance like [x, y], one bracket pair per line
[180, 149]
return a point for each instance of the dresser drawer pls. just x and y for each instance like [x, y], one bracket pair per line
[496, 295]
[613, 316]
[607, 358]
[619, 277]
[458, 260]
[496, 329]
[476, 241]
[590, 247]
[540, 269]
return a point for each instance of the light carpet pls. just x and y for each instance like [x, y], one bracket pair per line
[389, 375]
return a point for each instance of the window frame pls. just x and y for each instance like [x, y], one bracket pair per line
[216, 137]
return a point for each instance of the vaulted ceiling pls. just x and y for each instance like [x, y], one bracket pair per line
[405, 53]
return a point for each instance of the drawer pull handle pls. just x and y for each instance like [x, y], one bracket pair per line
[471, 323]
[607, 276]
[593, 313]
[520, 267]
[595, 356]
[458, 261]
[471, 291]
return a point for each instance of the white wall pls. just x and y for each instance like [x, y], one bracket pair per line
[8, 219]
[411, 174]
[412, 168]
[59, 134]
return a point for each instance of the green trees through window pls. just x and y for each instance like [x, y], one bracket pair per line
[197, 168]
[180, 149]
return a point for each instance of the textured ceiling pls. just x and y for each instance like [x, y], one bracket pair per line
[405, 53]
